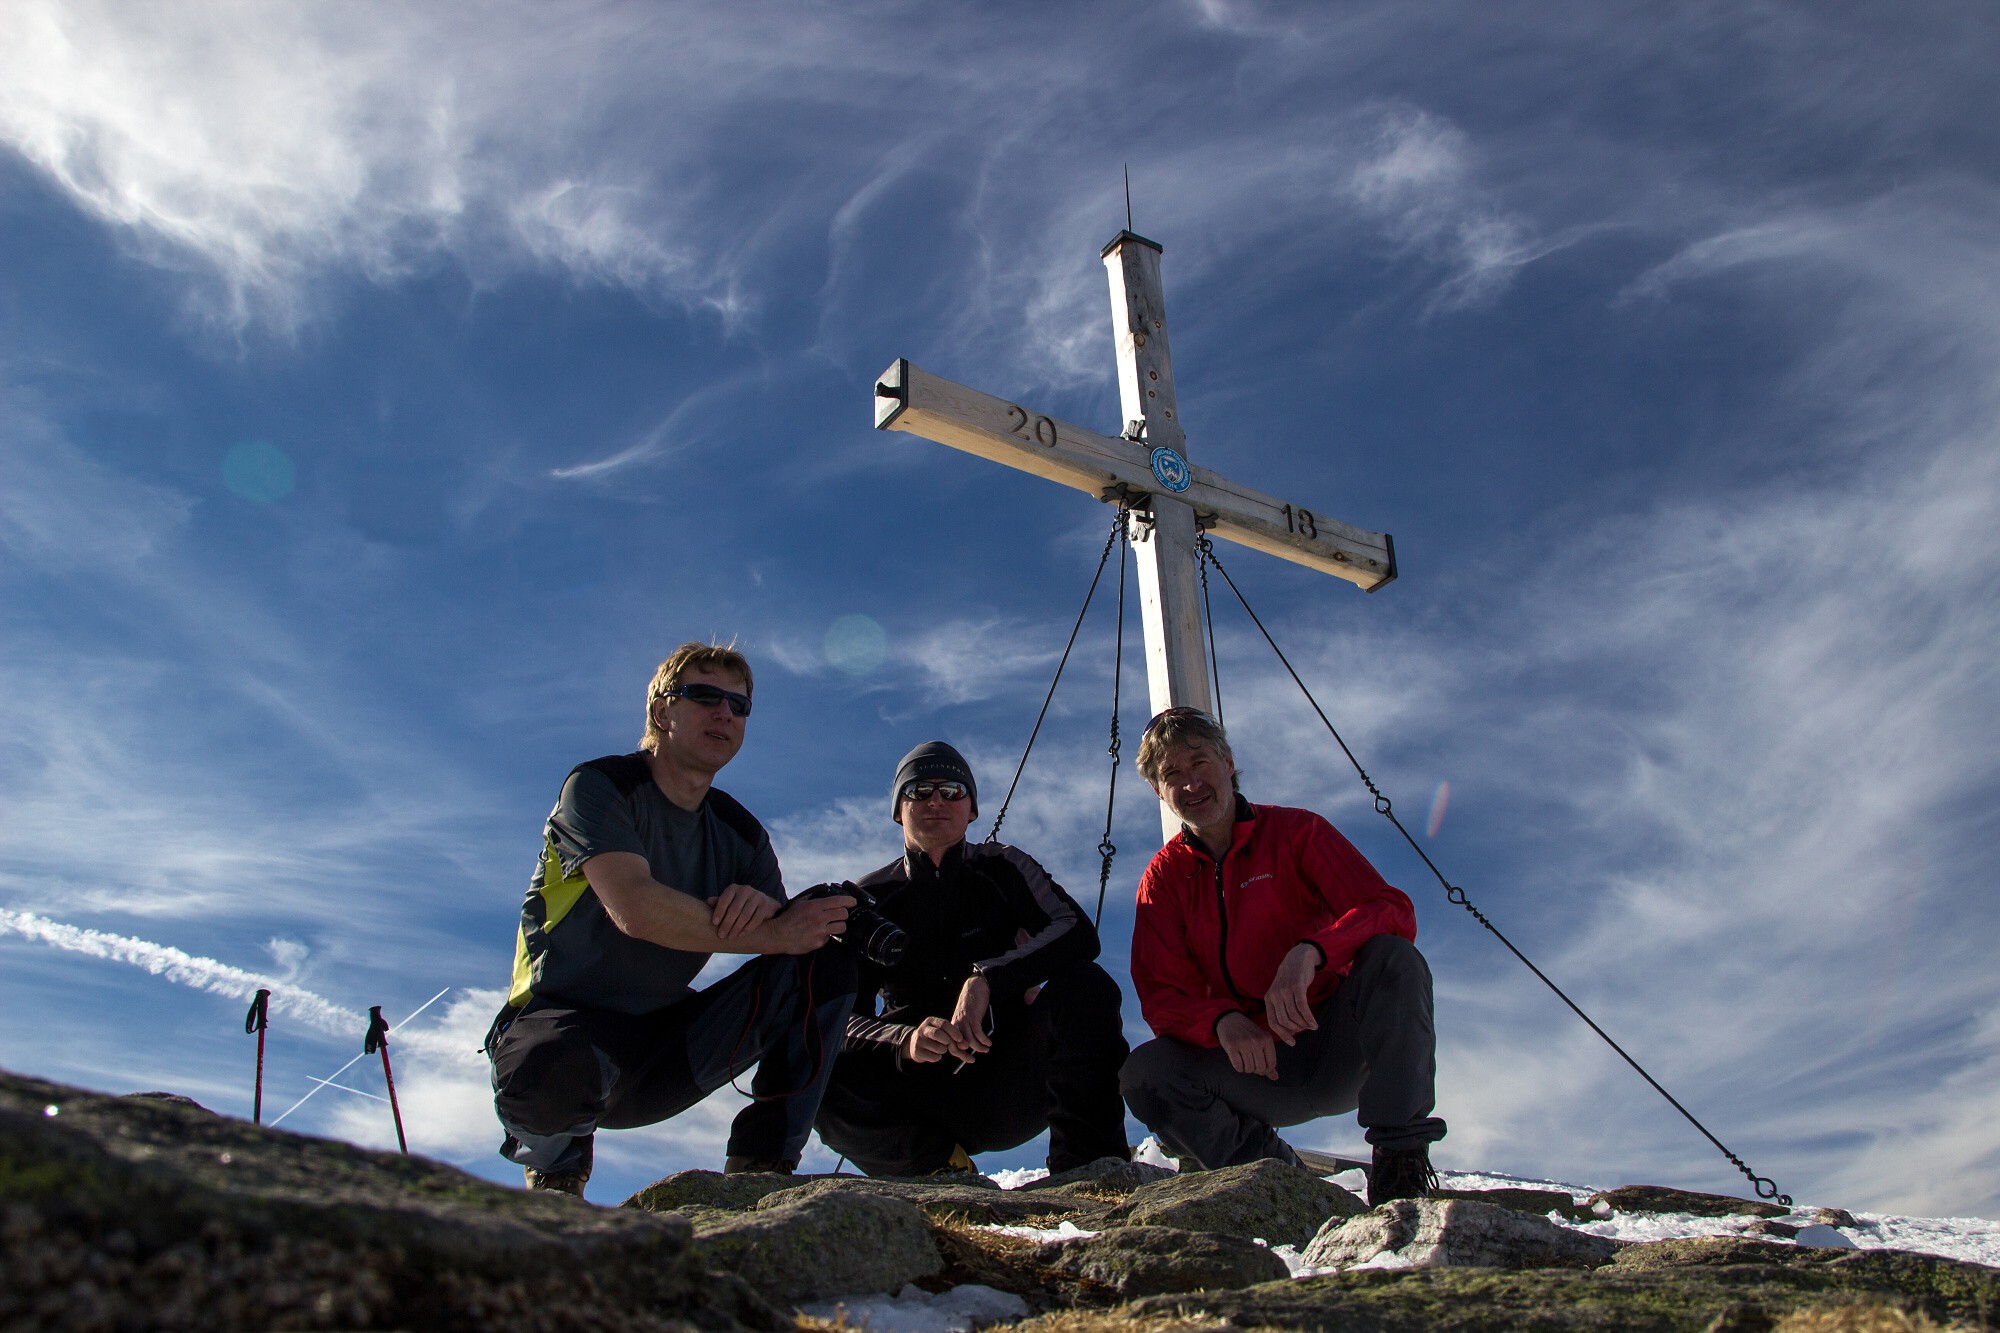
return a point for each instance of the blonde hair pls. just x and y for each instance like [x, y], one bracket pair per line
[699, 657]
[1176, 729]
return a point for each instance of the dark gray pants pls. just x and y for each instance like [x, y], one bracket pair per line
[1054, 1066]
[1375, 1050]
[560, 1073]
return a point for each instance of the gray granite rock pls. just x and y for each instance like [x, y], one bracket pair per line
[1108, 1173]
[1151, 1261]
[142, 1213]
[1664, 1199]
[1269, 1201]
[711, 1189]
[840, 1243]
[1455, 1233]
[1539, 1202]
[947, 1202]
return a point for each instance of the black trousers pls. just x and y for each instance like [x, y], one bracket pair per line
[1375, 1049]
[1054, 1066]
[560, 1073]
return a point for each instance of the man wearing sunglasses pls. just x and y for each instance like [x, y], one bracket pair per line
[1280, 974]
[996, 1023]
[646, 870]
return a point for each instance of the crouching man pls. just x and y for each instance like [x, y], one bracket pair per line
[1280, 974]
[995, 1022]
[646, 869]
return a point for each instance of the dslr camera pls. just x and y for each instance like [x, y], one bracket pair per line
[869, 933]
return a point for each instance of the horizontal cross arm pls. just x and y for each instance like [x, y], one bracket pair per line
[908, 398]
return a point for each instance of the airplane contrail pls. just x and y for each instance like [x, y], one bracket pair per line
[163, 960]
[178, 965]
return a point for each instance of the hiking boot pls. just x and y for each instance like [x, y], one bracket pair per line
[555, 1182]
[958, 1166]
[755, 1166]
[1400, 1173]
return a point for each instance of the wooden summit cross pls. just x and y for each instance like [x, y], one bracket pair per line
[1146, 468]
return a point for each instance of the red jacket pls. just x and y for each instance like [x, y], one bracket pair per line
[1207, 939]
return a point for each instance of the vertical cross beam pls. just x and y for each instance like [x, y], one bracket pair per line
[1170, 599]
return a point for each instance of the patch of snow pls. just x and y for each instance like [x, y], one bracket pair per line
[1973, 1239]
[1298, 1267]
[1824, 1236]
[1065, 1231]
[1153, 1154]
[913, 1310]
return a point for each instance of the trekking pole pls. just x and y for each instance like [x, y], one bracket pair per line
[256, 1021]
[378, 1040]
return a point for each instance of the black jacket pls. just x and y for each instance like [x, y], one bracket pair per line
[964, 917]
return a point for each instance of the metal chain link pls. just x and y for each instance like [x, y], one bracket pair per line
[1766, 1188]
[1106, 849]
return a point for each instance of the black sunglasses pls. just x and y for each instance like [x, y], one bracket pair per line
[709, 695]
[921, 791]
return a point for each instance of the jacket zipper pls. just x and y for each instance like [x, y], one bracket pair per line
[1222, 935]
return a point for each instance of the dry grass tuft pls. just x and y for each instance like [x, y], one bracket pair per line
[1113, 1321]
[1860, 1317]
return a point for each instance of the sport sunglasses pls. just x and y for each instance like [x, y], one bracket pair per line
[921, 791]
[708, 696]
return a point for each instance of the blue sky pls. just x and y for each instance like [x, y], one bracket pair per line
[383, 392]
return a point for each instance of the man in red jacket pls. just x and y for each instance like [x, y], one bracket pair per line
[1279, 971]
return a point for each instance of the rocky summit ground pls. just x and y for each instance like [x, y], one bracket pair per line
[147, 1213]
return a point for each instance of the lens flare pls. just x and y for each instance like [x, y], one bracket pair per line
[1439, 800]
[856, 644]
[259, 472]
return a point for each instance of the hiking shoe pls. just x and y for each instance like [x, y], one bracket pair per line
[749, 1166]
[1400, 1173]
[555, 1182]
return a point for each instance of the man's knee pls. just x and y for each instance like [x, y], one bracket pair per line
[1084, 993]
[1392, 959]
[1149, 1072]
[550, 1080]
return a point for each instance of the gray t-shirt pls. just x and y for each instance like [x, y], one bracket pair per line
[568, 949]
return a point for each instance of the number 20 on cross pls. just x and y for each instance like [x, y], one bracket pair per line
[1045, 429]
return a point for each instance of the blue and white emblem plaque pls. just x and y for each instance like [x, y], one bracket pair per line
[1171, 469]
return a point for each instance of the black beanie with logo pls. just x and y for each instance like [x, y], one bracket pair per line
[933, 761]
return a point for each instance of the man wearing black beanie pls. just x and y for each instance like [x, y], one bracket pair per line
[996, 1023]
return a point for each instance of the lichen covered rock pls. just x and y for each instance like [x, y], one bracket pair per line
[1664, 1199]
[709, 1189]
[1106, 1173]
[945, 1201]
[1147, 1261]
[1267, 1201]
[830, 1244]
[1454, 1233]
[143, 1213]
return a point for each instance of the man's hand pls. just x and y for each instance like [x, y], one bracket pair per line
[1249, 1047]
[805, 924]
[968, 1019]
[1286, 1008]
[738, 908]
[930, 1042]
